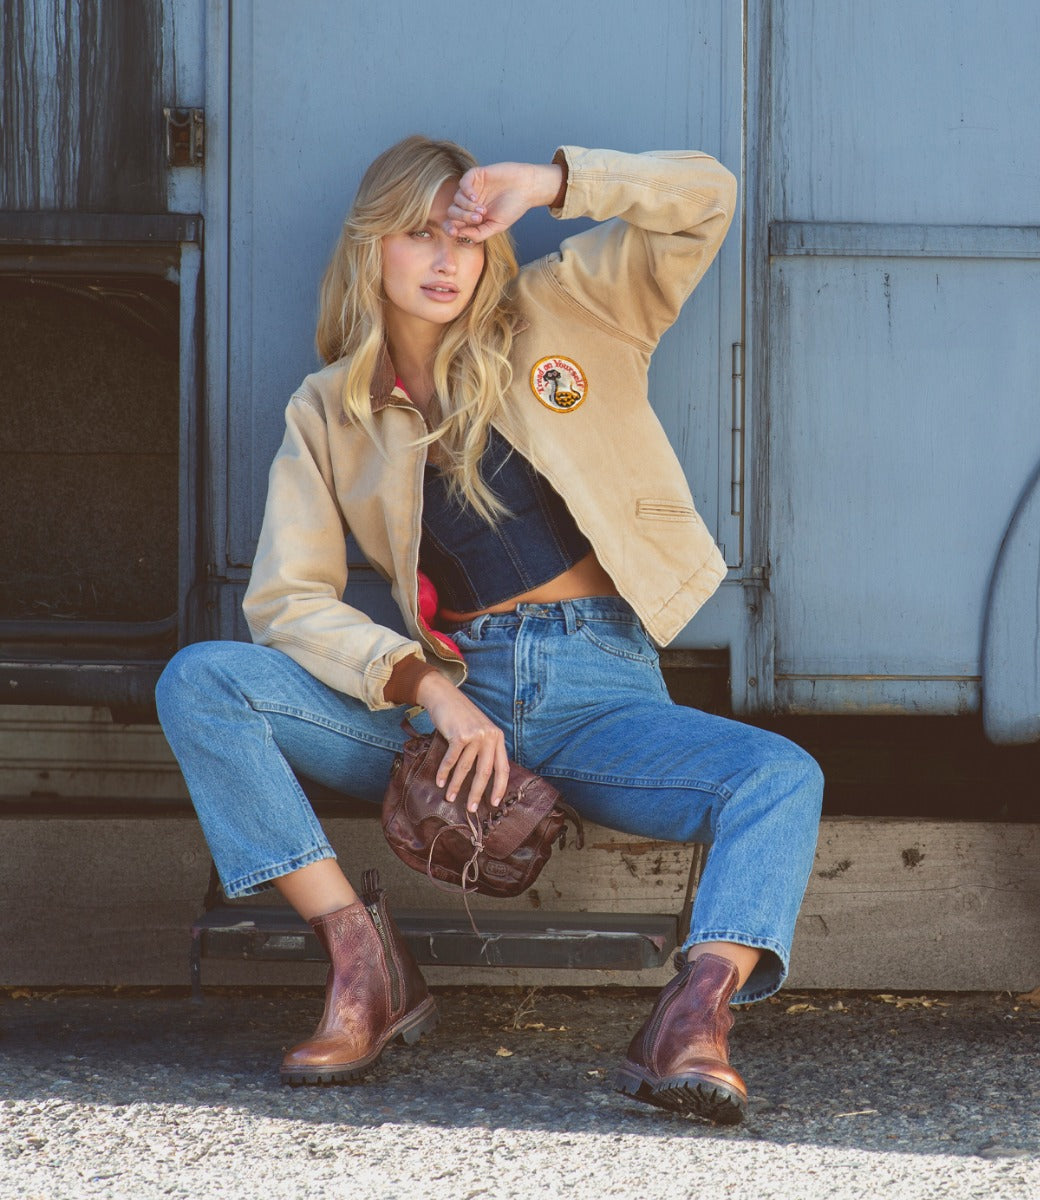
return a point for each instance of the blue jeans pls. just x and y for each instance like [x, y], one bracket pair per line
[577, 690]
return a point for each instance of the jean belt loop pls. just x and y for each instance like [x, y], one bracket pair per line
[570, 617]
[477, 626]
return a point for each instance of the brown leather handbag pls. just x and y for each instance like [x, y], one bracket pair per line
[494, 851]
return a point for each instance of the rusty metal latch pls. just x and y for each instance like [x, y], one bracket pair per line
[185, 136]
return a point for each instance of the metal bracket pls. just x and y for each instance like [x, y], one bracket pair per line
[185, 136]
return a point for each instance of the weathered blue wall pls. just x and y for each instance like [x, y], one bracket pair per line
[900, 190]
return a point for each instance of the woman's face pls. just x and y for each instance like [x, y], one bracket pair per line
[429, 276]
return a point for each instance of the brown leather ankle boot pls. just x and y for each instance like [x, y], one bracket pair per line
[373, 994]
[679, 1060]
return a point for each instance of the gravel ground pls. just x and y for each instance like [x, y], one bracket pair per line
[139, 1095]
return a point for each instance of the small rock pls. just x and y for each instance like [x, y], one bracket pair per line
[996, 1149]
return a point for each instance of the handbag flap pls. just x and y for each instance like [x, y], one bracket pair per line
[527, 803]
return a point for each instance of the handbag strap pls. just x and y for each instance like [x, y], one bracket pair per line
[575, 819]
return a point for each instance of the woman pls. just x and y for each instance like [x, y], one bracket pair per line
[489, 430]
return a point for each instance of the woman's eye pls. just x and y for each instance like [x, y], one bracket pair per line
[420, 233]
[463, 240]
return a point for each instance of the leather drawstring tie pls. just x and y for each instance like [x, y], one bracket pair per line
[470, 870]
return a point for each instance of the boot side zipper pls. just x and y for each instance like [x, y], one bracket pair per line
[388, 957]
[650, 1037]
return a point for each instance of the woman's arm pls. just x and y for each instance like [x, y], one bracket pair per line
[663, 216]
[491, 199]
[673, 209]
[294, 604]
[294, 599]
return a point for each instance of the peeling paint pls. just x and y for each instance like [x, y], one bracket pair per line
[630, 866]
[80, 106]
[836, 870]
[633, 848]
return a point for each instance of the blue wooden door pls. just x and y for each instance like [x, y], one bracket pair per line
[899, 190]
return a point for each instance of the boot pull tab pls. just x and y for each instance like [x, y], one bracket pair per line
[370, 886]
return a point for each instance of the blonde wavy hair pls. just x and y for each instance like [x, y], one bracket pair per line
[471, 370]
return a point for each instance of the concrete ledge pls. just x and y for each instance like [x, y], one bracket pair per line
[892, 904]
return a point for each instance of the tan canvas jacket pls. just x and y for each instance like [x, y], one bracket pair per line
[577, 409]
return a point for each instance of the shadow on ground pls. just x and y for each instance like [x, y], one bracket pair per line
[948, 1074]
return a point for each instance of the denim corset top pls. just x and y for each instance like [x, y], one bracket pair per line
[474, 565]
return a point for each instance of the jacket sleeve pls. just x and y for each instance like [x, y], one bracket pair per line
[672, 212]
[294, 599]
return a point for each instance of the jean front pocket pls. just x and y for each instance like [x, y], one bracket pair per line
[467, 632]
[622, 639]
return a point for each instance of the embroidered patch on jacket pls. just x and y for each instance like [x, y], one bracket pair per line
[559, 383]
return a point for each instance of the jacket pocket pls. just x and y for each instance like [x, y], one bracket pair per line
[664, 510]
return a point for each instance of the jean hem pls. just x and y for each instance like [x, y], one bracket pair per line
[767, 977]
[259, 881]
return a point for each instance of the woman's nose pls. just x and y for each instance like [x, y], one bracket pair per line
[445, 260]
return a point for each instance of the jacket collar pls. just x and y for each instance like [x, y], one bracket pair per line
[384, 385]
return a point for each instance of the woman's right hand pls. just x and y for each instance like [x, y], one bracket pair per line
[490, 199]
[475, 743]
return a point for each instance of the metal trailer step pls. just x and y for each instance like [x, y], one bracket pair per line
[593, 941]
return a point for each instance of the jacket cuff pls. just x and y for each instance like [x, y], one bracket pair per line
[404, 679]
[560, 160]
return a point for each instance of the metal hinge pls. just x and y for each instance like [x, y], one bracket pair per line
[185, 136]
[736, 430]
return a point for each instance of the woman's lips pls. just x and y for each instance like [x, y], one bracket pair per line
[440, 292]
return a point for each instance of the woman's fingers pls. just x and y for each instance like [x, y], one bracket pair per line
[472, 769]
[471, 187]
[489, 200]
[464, 223]
[491, 761]
[447, 764]
[466, 207]
[473, 791]
[463, 765]
[465, 204]
[470, 764]
[501, 774]
[461, 218]
[475, 744]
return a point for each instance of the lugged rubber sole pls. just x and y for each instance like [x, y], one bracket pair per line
[409, 1030]
[695, 1095]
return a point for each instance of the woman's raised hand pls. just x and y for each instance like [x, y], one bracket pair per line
[491, 199]
[475, 743]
